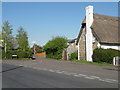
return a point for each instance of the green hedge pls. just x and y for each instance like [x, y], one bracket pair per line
[74, 56]
[104, 55]
[56, 55]
[21, 54]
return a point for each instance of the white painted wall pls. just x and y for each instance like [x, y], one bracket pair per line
[107, 46]
[71, 49]
[89, 21]
[79, 50]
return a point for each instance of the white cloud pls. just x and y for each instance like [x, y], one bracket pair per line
[33, 42]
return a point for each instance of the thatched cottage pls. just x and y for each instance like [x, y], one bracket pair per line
[97, 31]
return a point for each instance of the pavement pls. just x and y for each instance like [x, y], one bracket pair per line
[49, 73]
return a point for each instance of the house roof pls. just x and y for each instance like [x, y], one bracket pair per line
[104, 28]
[72, 41]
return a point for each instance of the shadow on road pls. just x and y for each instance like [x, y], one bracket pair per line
[11, 69]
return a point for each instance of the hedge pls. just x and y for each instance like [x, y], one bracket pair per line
[21, 54]
[74, 56]
[104, 55]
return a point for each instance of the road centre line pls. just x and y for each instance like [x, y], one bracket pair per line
[89, 78]
[82, 75]
[77, 75]
[60, 72]
[95, 77]
[51, 70]
[111, 80]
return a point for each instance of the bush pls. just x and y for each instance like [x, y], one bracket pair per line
[54, 47]
[20, 53]
[40, 51]
[104, 55]
[74, 56]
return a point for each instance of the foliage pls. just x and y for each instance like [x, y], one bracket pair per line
[22, 39]
[40, 51]
[55, 47]
[104, 55]
[9, 42]
[74, 56]
[7, 34]
[20, 54]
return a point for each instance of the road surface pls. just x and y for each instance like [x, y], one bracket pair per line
[45, 73]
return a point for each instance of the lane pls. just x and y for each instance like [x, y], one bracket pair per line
[23, 77]
[104, 72]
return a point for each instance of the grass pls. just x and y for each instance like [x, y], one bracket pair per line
[89, 62]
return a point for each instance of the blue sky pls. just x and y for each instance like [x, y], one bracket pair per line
[42, 21]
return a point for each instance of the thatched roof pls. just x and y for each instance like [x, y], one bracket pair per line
[104, 28]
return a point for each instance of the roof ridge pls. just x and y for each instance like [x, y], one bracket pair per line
[105, 17]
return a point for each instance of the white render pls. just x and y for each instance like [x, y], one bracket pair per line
[71, 49]
[108, 46]
[89, 21]
[79, 50]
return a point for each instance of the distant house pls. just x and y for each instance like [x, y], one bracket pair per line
[72, 47]
[97, 31]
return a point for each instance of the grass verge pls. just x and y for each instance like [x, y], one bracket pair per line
[96, 63]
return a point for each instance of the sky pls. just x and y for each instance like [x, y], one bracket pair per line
[45, 20]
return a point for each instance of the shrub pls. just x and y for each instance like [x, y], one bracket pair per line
[20, 53]
[74, 56]
[40, 51]
[54, 47]
[104, 55]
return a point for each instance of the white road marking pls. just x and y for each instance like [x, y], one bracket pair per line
[51, 70]
[111, 80]
[59, 71]
[108, 81]
[77, 75]
[94, 77]
[82, 75]
[74, 74]
[66, 73]
[101, 79]
[20, 65]
[89, 78]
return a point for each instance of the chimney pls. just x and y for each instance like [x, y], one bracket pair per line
[89, 21]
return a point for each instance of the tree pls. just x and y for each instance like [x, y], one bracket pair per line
[22, 39]
[55, 47]
[7, 34]
[6, 37]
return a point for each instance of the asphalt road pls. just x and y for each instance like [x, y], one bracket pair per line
[21, 76]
